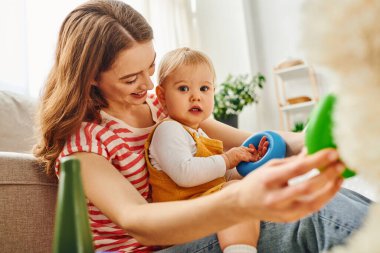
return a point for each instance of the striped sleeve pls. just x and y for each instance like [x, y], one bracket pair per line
[89, 138]
[118, 145]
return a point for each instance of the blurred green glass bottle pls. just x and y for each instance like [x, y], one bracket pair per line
[72, 232]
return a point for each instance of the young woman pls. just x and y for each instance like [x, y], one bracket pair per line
[95, 107]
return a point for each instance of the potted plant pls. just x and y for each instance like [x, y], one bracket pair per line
[299, 126]
[234, 94]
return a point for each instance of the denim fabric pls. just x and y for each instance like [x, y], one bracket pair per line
[320, 231]
[316, 233]
[208, 244]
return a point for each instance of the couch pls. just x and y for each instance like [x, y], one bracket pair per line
[27, 194]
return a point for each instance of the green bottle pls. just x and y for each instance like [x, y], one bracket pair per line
[319, 132]
[72, 232]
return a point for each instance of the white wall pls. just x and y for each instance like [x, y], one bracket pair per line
[245, 36]
[223, 36]
[13, 68]
[276, 28]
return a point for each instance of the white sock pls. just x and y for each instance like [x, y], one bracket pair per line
[240, 248]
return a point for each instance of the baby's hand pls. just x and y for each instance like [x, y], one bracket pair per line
[238, 154]
[263, 147]
[255, 153]
[261, 151]
[235, 155]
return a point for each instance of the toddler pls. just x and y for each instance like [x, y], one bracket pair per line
[183, 161]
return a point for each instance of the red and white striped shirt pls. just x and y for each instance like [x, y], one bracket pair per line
[123, 146]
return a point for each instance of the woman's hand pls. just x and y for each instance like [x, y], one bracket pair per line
[268, 196]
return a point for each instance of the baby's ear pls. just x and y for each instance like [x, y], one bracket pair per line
[160, 92]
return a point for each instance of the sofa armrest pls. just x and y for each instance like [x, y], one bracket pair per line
[27, 200]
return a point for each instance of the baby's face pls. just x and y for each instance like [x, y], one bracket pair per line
[188, 94]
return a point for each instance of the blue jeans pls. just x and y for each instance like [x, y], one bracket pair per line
[318, 232]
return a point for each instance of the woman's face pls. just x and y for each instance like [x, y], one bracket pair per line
[127, 81]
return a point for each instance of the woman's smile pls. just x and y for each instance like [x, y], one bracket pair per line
[140, 94]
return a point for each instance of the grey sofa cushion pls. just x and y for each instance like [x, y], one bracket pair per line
[27, 204]
[17, 122]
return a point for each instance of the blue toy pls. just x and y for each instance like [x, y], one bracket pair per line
[276, 149]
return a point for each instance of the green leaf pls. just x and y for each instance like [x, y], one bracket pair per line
[236, 92]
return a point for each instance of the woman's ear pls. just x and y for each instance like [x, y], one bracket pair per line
[93, 83]
[160, 92]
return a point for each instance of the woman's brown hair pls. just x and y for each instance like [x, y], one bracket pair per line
[89, 40]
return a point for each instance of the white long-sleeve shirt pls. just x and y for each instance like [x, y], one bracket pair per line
[172, 150]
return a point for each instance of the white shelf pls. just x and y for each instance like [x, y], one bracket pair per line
[295, 72]
[295, 82]
[297, 106]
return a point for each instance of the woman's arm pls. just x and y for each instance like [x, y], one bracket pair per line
[233, 137]
[263, 194]
[153, 223]
[294, 141]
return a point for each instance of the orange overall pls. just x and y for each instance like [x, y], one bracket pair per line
[165, 189]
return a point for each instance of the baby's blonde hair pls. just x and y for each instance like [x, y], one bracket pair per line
[182, 57]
